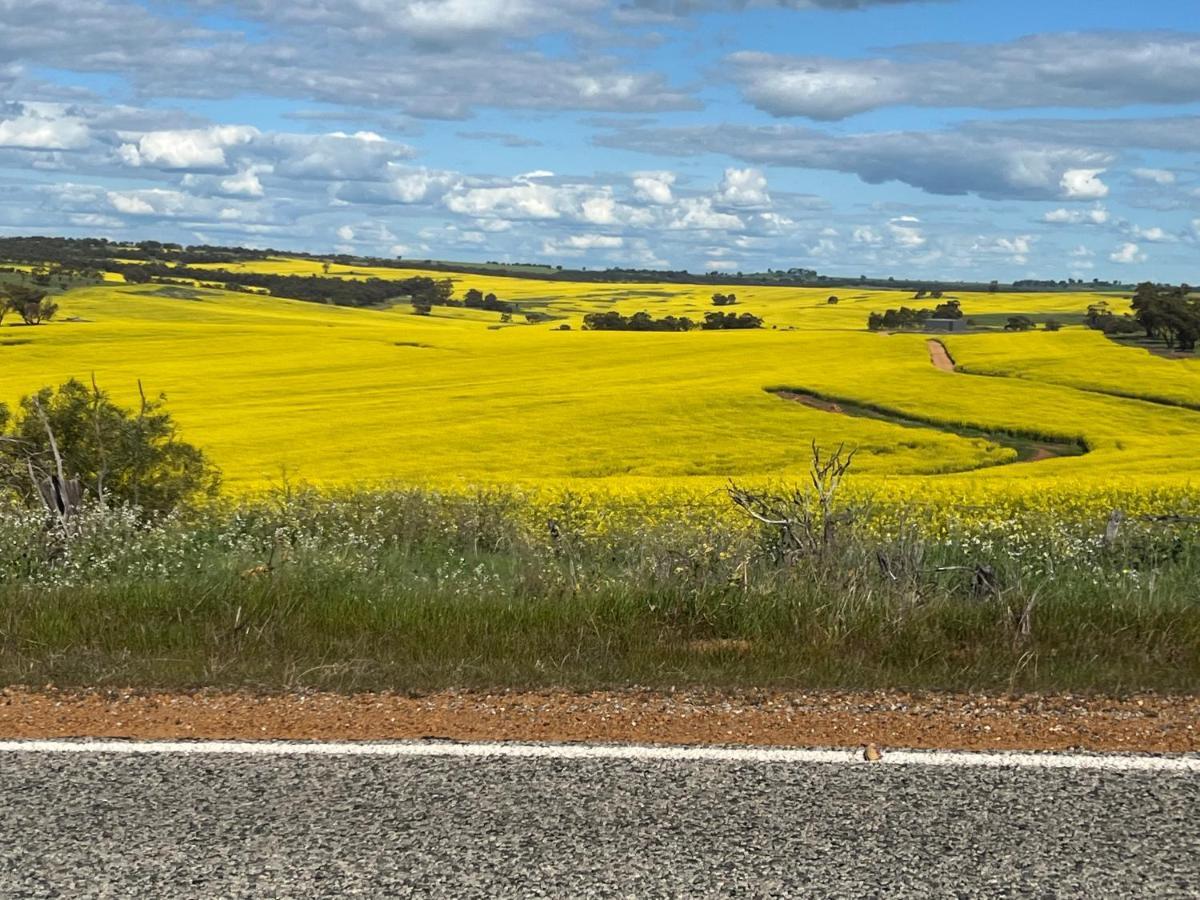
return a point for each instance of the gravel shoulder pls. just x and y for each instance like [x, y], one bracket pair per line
[1147, 723]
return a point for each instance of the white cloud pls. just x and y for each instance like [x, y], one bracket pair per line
[905, 231]
[721, 265]
[1154, 235]
[245, 183]
[1155, 176]
[743, 189]
[654, 187]
[345, 233]
[42, 129]
[1097, 215]
[697, 213]
[600, 209]
[416, 185]
[578, 244]
[149, 202]
[524, 199]
[1016, 248]
[521, 201]
[202, 149]
[1083, 184]
[367, 137]
[1127, 254]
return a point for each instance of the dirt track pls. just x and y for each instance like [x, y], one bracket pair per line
[969, 722]
[940, 356]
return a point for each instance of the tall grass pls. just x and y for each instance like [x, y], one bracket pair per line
[416, 590]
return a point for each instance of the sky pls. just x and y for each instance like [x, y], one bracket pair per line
[954, 139]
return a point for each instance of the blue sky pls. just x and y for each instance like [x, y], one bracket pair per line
[949, 138]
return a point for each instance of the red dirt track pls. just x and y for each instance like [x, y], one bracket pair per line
[963, 722]
[940, 356]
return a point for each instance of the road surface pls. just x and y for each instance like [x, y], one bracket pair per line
[457, 821]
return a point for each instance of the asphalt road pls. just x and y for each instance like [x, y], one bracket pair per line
[204, 825]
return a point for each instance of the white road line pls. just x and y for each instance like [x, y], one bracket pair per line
[641, 752]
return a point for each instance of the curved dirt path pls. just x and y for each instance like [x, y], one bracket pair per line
[940, 356]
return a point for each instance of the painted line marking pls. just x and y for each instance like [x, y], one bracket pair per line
[638, 752]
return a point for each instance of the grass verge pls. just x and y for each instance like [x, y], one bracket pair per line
[416, 590]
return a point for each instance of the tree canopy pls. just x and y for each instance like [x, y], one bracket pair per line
[118, 455]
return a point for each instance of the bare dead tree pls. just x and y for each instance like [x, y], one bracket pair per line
[805, 520]
[102, 467]
[61, 496]
[1112, 528]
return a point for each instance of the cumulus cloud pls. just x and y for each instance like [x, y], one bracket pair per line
[654, 186]
[744, 189]
[186, 149]
[1097, 215]
[245, 183]
[906, 231]
[578, 244]
[1016, 249]
[1083, 184]
[1154, 234]
[1127, 254]
[698, 213]
[1080, 69]
[149, 202]
[40, 127]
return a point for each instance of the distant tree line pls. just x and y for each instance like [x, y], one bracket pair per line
[643, 321]
[83, 253]
[904, 317]
[93, 253]
[421, 290]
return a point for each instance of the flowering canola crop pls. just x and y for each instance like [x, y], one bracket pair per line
[276, 390]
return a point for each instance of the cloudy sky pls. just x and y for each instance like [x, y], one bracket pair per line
[945, 138]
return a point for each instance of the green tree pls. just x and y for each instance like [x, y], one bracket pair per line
[1019, 323]
[117, 455]
[32, 305]
[1170, 314]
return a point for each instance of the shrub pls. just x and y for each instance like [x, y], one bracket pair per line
[78, 433]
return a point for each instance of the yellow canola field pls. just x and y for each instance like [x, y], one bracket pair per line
[276, 389]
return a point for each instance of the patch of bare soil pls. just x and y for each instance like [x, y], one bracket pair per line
[810, 400]
[940, 356]
[965, 722]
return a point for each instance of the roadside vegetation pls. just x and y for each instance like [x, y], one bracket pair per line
[119, 564]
